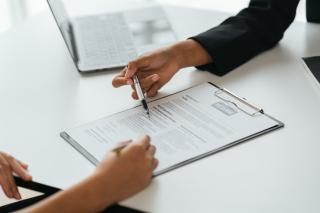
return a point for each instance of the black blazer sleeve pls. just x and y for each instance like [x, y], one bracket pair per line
[256, 28]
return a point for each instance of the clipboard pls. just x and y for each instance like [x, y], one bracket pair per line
[224, 95]
[31, 185]
[236, 101]
[48, 191]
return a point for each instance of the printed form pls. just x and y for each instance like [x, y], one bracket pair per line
[182, 126]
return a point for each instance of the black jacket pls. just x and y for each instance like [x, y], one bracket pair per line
[253, 30]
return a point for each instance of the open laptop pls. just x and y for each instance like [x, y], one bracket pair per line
[111, 40]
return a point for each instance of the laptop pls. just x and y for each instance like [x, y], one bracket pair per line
[110, 40]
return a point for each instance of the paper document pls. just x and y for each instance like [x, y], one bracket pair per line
[184, 126]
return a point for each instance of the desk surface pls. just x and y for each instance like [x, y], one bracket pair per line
[42, 94]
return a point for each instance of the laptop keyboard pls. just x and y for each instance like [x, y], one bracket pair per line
[106, 40]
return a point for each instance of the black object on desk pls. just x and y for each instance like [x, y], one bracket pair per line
[48, 191]
[313, 64]
[38, 187]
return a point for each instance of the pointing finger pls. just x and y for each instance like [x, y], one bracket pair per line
[24, 165]
[134, 66]
[120, 80]
[18, 169]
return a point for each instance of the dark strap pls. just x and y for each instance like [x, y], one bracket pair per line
[22, 204]
[39, 187]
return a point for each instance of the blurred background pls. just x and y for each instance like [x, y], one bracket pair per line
[13, 12]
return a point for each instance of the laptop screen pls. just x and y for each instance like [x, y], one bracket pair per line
[63, 21]
[109, 35]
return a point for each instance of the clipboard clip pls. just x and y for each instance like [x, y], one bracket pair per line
[242, 103]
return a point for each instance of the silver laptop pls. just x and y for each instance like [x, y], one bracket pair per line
[111, 40]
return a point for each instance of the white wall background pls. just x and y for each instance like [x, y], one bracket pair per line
[11, 11]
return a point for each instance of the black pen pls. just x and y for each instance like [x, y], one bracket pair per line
[141, 95]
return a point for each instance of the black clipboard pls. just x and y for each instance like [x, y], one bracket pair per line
[47, 192]
[34, 186]
[234, 98]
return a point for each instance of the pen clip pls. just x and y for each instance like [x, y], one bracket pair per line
[242, 102]
[138, 87]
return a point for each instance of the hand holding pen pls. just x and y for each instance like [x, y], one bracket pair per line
[138, 93]
[150, 77]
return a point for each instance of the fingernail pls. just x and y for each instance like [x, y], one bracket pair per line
[155, 78]
[27, 176]
[147, 137]
[17, 196]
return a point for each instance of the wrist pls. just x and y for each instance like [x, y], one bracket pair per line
[189, 53]
[177, 55]
[101, 191]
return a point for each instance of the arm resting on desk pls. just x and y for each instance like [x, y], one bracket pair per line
[252, 31]
[219, 50]
[120, 175]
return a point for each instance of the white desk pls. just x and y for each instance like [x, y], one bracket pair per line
[41, 94]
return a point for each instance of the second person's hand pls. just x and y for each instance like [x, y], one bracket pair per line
[123, 173]
[9, 166]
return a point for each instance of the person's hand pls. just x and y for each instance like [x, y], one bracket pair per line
[124, 173]
[153, 69]
[120, 174]
[9, 166]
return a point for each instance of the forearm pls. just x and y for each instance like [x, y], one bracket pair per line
[253, 30]
[190, 53]
[86, 196]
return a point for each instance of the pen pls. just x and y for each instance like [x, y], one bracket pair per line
[141, 95]
[119, 148]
